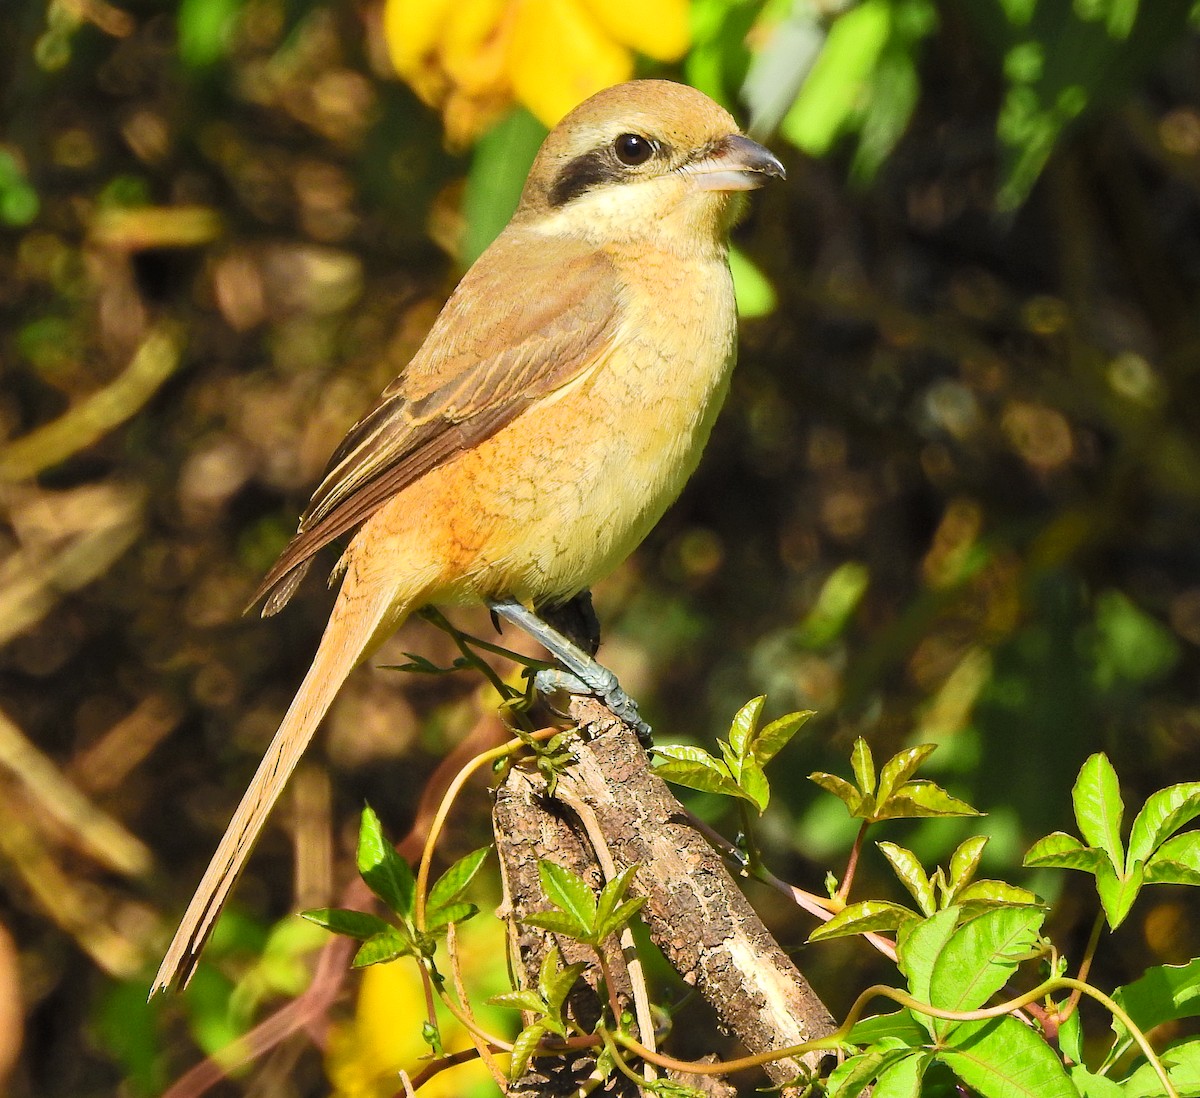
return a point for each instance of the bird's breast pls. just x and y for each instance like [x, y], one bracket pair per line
[617, 447]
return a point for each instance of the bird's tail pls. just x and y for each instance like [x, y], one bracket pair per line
[356, 617]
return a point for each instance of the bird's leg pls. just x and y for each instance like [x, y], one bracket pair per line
[583, 674]
[575, 619]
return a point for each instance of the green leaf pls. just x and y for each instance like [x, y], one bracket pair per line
[1093, 1086]
[902, 1079]
[523, 1047]
[453, 883]
[1099, 808]
[918, 950]
[863, 766]
[753, 783]
[920, 799]
[557, 986]
[996, 892]
[1183, 850]
[499, 165]
[387, 945]
[752, 290]
[386, 873]
[1165, 871]
[1162, 994]
[741, 730]
[900, 1025]
[840, 788]
[776, 736]
[900, 767]
[981, 956]
[204, 29]
[1059, 850]
[861, 918]
[1117, 894]
[525, 999]
[912, 875]
[964, 862]
[568, 892]
[1070, 1036]
[1164, 813]
[837, 600]
[1182, 1061]
[353, 924]
[611, 914]
[831, 96]
[558, 922]
[1002, 1058]
[450, 913]
[695, 768]
[851, 1078]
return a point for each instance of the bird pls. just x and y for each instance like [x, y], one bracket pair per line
[554, 411]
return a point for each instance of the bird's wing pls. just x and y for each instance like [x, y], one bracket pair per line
[520, 325]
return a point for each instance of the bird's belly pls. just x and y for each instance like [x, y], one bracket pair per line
[559, 497]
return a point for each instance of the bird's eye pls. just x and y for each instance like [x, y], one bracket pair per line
[633, 149]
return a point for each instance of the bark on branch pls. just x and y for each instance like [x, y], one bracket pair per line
[694, 910]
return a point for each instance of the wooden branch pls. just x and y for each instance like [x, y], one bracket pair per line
[695, 912]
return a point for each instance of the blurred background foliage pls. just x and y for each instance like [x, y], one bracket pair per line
[955, 496]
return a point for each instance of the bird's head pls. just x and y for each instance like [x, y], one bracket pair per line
[649, 160]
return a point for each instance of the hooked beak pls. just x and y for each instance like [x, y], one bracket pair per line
[735, 163]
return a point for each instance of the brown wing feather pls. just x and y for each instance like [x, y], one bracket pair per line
[518, 327]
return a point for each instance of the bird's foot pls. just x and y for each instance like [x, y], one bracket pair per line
[582, 674]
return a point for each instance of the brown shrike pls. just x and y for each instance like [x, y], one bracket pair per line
[552, 415]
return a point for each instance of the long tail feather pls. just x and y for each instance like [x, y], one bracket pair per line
[355, 618]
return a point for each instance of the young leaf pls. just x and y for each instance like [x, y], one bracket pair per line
[1117, 893]
[1164, 813]
[964, 862]
[695, 768]
[568, 892]
[921, 799]
[996, 892]
[558, 922]
[863, 766]
[611, 895]
[386, 873]
[525, 999]
[387, 945]
[776, 736]
[861, 918]
[527, 1040]
[1176, 861]
[754, 786]
[353, 924]
[453, 883]
[912, 875]
[1059, 850]
[439, 917]
[1099, 808]
[1001, 1058]
[558, 986]
[741, 730]
[900, 767]
[840, 788]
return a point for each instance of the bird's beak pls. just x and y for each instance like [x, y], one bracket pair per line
[735, 163]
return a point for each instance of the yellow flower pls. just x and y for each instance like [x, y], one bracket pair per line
[364, 1056]
[472, 59]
